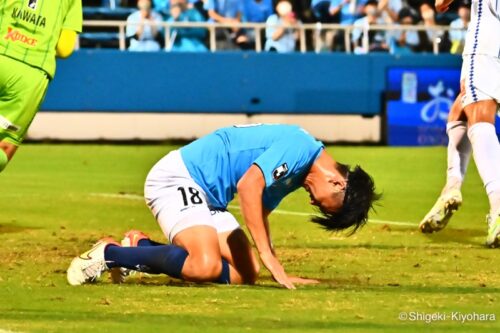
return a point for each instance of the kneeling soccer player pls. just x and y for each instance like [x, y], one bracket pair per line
[188, 192]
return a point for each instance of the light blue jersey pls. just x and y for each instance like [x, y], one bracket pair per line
[284, 153]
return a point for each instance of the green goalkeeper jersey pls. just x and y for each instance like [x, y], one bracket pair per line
[30, 29]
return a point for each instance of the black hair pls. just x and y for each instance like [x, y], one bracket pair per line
[359, 198]
[406, 12]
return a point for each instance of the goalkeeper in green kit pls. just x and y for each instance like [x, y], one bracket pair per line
[32, 34]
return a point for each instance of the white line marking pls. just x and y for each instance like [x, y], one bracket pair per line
[276, 211]
[118, 196]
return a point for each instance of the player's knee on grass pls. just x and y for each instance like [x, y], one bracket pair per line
[236, 246]
[202, 269]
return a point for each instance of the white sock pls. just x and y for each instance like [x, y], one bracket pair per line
[459, 152]
[487, 157]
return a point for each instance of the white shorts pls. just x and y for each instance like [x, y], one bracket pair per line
[481, 77]
[178, 203]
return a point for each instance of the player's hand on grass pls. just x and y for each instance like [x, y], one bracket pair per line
[299, 280]
[276, 269]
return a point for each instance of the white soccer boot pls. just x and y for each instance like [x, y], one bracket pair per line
[439, 215]
[493, 238]
[90, 265]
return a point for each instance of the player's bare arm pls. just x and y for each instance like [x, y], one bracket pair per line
[265, 217]
[293, 279]
[250, 189]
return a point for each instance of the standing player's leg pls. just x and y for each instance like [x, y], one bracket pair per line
[481, 102]
[459, 146]
[22, 89]
[7, 150]
[459, 152]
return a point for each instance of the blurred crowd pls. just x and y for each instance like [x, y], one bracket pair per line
[282, 15]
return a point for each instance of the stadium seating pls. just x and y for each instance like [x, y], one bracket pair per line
[108, 36]
[103, 37]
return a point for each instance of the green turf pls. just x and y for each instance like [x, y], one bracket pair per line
[52, 208]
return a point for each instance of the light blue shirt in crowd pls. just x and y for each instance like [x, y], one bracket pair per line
[226, 8]
[348, 14]
[188, 39]
[359, 26]
[147, 41]
[286, 43]
[411, 38]
[163, 6]
[284, 154]
[458, 35]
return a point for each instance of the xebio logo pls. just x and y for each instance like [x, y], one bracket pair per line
[16, 36]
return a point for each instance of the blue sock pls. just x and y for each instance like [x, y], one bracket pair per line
[224, 277]
[148, 242]
[166, 259]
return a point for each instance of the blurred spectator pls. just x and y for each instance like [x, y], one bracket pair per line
[325, 39]
[457, 37]
[349, 10]
[111, 3]
[186, 39]
[377, 40]
[389, 9]
[228, 12]
[405, 41]
[414, 5]
[142, 29]
[428, 16]
[344, 12]
[163, 6]
[322, 12]
[256, 11]
[280, 36]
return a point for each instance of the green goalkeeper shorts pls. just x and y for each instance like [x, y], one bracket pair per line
[22, 89]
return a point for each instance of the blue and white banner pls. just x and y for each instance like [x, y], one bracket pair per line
[418, 101]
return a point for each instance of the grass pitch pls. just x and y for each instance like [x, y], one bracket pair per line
[56, 200]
